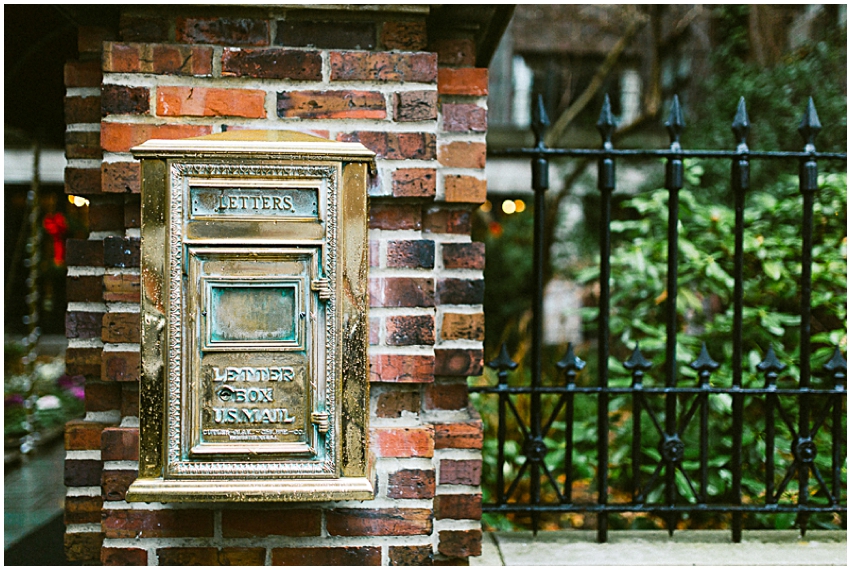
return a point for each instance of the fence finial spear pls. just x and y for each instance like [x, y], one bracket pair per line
[741, 125]
[675, 123]
[704, 362]
[637, 361]
[503, 361]
[606, 122]
[810, 126]
[570, 360]
[770, 363]
[837, 367]
[540, 120]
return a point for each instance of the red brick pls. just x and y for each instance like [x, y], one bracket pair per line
[121, 177]
[238, 523]
[84, 288]
[83, 546]
[121, 327]
[458, 361]
[121, 137]
[378, 522]
[414, 183]
[124, 100]
[460, 472]
[82, 181]
[106, 213]
[464, 255]
[419, 67]
[462, 81]
[394, 217]
[454, 52]
[121, 366]
[463, 326]
[392, 403]
[463, 117]
[441, 220]
[129, 399]
[460, 291]
[462, 154]
[160, 523]
[409, 36]
[374, 253]
[411, 484]
[223, 31]
[115, 556]
[157, 58]
[151, 29]
[409, 330]
[412, 106]
[81, 252]
[401, 368]
[241, 556]
[465, 189]
[115, 482]
[374, 330]
[102, 396]
[458, 507]
[83, 74]
[395, 146]
[121, 252]
[120, 444]
[272, 63]
[83, 361]
[82, 144]
[90, 38]
[83, 472]
[411, 555]
[446, 396]
[82, 510]
[404, 442]
[331, 105]
[458, 435]
[122, 288]
[122, 58]
[460, 543]
[132, 211]
[82, 110]
[187, 556]
[410, 254]
[210, 102]
[327, 556]
[401, 292]
[82, 435]
[79, 324]
[326, 35]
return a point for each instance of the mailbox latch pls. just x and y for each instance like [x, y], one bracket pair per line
[323, 287]
[322, 421]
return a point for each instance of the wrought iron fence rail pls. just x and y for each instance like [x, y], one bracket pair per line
[664, 153]
[659, 508]
[655, 390]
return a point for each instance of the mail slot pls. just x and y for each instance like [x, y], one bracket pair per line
[254, 319]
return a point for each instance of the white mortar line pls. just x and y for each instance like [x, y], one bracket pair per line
[83, 454]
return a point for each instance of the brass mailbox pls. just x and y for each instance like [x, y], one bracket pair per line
[254, 319]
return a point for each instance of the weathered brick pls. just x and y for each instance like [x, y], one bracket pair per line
[132, 211]
[119, 444]
[411, 555]
[458, 361]
[160, 523]
[462, 154]
[115, 556]
[458, 435]
[242, 556]
[464, 255]
[129, 399]
[463, 326]
[414, 182]
[411, 484]
[121, 252]
[392, 403]
[441, 220]
[378, 522]
[115, 482]
[460, 291]
[187, 556]
[411, 106]
[84, 288]
[82, 144]
[401, 368]
[462, 81]
[83, 546]
[464, 117]
[272, 63]
[408, 36]
[80, 324]
[121, 137]
[82, 110]
[460, 543]
[150, 29]
[331, 105]
[90, 38]
[124, 100]
[83, 252]
[121, 177]
[394, 217]
[374, 330]
[121, 327]
[82, 510]
[454, 52]
[106, 213]
[122, 288]
[410, 254]
[82, 181]
[102, 396]
[465, 189]
[326, 35]
[404, 441]
[419, 67]
[458, 507]
[395, 146]
[374, 253]
[327, 556]
[446, 396]
[460, 472]
[407, 330]
[167, 59]
[83, 472]
[83, 74]
[401, 292]
[210, 102]
[82, 435]
[83, 361]
[239, 523]
[121, 366]
[223, 31]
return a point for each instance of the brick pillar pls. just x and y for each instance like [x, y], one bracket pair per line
[360, 76]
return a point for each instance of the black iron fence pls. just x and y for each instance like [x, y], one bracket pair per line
[819, 409]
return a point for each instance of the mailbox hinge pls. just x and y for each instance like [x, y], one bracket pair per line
[322, 421]
[323, 287]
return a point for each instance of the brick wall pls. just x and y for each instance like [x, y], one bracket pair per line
[421, 106]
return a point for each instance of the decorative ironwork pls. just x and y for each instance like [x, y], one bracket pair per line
[816, 407]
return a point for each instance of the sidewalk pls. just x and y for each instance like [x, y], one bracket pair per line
[655, 548]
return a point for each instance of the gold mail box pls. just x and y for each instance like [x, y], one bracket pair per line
[254, 319]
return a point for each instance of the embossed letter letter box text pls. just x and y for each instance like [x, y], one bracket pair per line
[254, 319]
